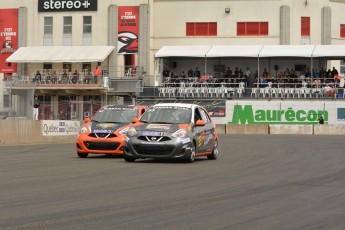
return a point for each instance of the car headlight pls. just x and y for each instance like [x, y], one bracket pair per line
[180, 133]
[131, 132]
[124, 131]
[84, 130]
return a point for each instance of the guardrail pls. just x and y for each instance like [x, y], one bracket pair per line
[18, 132]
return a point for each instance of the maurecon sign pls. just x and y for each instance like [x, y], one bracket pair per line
[283, 112]
[247, 115]
[66, 5]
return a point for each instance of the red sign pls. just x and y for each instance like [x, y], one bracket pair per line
[128, 28]
[8, 38]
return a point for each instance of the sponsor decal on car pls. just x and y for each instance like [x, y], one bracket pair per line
[186, 140]
[156, 134]
[158, 126]
[152, 143]
[208, 139]
[103, 131]
[106, 125]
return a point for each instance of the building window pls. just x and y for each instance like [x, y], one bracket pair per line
[6, 101]
[67, 66]
[67, 25]
[305, 26]
[47, 66]
[48, 25]
[87, 30]
[342, 30]
[201, 29]
[48, 31]
[86, 66]
[87, 24]
[67, 31]
[252, 28]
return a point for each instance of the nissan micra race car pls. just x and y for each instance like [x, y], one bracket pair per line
[172, 131]
[105, 132]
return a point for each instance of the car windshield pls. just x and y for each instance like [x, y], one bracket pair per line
[115, 115]
[167, 114]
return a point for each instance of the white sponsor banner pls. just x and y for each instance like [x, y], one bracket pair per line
[60, 128]
[282, 112]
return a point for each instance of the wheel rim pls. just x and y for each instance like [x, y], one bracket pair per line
[215, 148]
[192, 155]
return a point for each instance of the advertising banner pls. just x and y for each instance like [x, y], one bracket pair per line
[128, 29]
[215, 108]
[284, 112]
[66, 5]
[60, 128]
[8, 38]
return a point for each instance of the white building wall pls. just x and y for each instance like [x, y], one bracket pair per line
[169, 17]
[168, 22]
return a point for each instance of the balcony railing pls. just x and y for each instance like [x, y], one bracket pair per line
[240, 91]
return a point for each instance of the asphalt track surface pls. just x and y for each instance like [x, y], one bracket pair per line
[258, 182]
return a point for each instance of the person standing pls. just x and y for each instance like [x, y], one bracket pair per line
[54, 77]
[75, 77]
[197, 73]
[183, 77]
[38, 77]
[248, 80]
[88, 76]
[166, 73]
[36, 106]
[190, 72]
[96, 73]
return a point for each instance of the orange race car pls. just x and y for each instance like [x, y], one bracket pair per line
[105, 132]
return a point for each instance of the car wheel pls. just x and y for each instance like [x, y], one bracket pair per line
[215, 152]
[129, 159]
[82, 155]
[191, 157]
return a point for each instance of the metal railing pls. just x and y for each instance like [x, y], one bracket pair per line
[239, 91]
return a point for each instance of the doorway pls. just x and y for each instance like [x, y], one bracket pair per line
[129, 60]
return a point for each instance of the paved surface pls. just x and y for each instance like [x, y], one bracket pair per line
[258, 182]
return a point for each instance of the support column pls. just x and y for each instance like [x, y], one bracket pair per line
[144, 38]
[112, 39]
[326, 26]
[22, 35]
[285, 25]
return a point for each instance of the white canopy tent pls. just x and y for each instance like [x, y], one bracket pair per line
[329, 52]
[336, 52]
[287, 51]
[55, 54]
[234, 51]
[182, 51]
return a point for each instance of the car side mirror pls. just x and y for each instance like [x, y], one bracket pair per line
[87, 120]
[134, 120]
[200, 123]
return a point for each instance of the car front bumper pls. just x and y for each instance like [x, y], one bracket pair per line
[176, 148]
[86, 144]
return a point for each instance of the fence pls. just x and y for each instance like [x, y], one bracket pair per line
[239, 91]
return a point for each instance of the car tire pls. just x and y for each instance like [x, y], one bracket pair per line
[129, 159]
[82, 155]
[215, 152]
[191, 157]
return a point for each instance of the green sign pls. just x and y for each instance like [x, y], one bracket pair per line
[246, 115]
